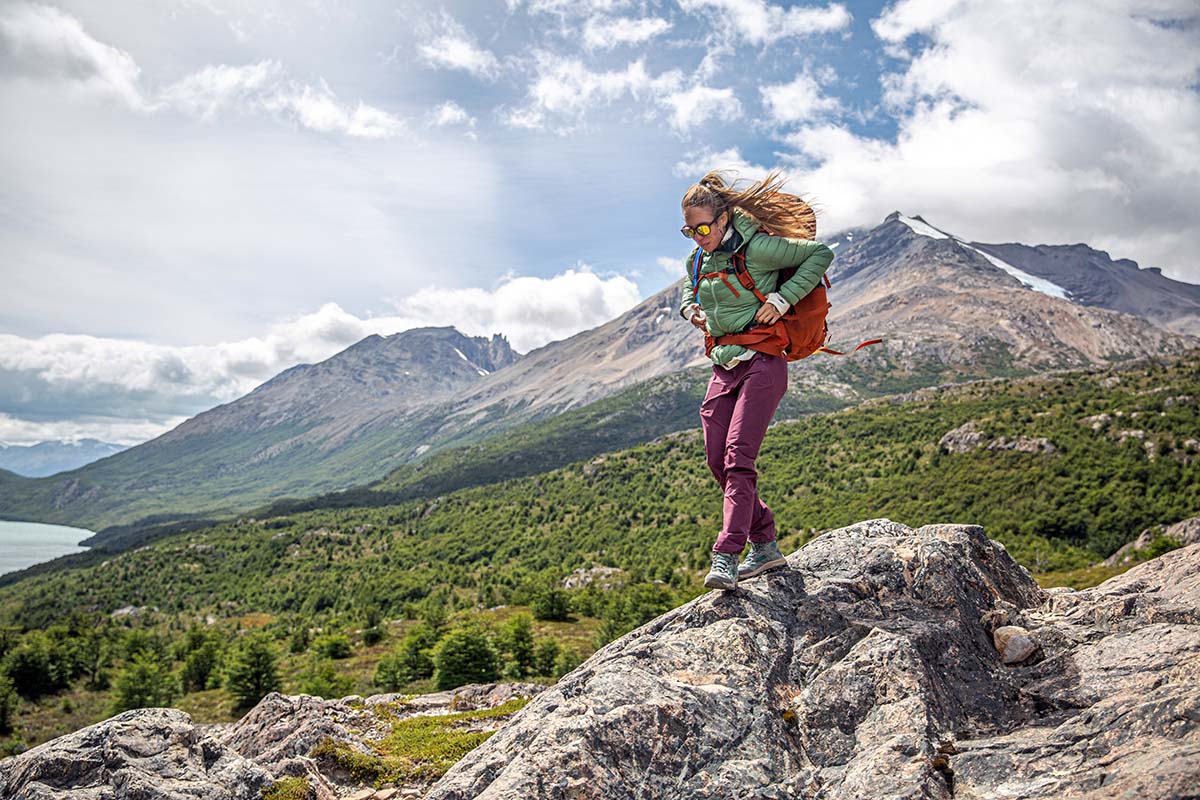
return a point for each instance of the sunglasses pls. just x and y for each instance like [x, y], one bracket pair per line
[703, 229]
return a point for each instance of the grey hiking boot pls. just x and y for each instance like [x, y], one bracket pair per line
[761, 558]
[724, 572]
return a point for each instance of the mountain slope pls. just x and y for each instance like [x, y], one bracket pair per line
[298, 433]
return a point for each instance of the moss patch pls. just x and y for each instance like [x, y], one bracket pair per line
[288, 789]
[418, 748]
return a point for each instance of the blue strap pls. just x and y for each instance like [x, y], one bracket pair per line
[696, 273]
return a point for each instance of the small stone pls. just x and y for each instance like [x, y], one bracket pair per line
[386, 794]
[362, 794]
[1014, 644]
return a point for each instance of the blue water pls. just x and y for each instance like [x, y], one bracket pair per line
[23, 544]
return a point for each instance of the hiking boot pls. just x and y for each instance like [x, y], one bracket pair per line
[724, 572]
[762, 556]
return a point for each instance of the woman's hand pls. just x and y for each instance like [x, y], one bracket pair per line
[768, 314]
[698, 319]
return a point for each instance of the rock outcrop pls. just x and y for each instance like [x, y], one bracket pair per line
[869, 670]
[1183, 533]
[886, 662]
[148, 754]
[160, 754]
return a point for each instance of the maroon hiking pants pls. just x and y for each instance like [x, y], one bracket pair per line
[735, 414]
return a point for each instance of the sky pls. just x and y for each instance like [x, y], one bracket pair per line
[199, 194]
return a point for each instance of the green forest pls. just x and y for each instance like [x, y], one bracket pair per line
[468, 586]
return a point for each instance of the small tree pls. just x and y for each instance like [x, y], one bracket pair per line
[251, 673]
[201, 666]
[8, 704]
[545, 653]
[146, 682]
[334, 645]
[516, 640]
[464, 656]
[551, 603]
[322, 678]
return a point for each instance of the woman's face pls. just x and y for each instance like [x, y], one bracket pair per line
[700, 215]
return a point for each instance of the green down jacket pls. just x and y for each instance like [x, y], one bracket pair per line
[765, 255]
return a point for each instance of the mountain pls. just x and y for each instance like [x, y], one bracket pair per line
[1092, 278]
[929, 294]
[49, 458]
[298, 433]
[947, 310]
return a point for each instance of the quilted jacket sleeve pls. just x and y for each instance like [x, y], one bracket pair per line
[686, 296]
[810, 259]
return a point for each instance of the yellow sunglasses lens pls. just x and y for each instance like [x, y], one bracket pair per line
[702, 230]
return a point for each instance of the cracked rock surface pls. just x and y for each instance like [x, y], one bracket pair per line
[868, 671]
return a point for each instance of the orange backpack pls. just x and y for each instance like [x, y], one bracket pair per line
[798, 334]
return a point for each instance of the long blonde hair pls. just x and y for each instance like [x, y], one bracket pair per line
[780, 213]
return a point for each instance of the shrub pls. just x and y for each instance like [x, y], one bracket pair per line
[516, 640]
[299, 641]
[37, 666]
[8, 704]
[545, 653]
[200, 668]
[464, 656]
[251, 673]
[333, 646]
[322, 678]
[551, 603]
[146, 682]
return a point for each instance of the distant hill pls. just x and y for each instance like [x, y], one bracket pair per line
[48, 458]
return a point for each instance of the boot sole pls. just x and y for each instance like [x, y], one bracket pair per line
[779, 562]
[716, 583]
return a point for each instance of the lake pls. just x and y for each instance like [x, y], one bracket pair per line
[23, 544]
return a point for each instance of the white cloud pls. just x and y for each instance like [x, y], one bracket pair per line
[568, 7]
[204, 93]
[264, 86]
[701, 161]
[41, 42]
[68, 386]
[449, 113]
[604, 33]
[701, 105]
[566, 88]
[671, 265]
[1055, 122]
[451, 47]
[798, 100]
[758, 22]
[530, 311]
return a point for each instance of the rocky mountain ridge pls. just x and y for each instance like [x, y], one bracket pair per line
[885, 662]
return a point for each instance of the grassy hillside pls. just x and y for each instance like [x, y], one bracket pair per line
[654, 508]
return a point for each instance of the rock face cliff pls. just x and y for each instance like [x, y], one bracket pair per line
[886, 663]
[870, 670]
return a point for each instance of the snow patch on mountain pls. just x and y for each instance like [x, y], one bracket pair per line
[1032, 281]
[923, 228]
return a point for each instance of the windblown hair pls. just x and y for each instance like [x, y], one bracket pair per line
[780, 213]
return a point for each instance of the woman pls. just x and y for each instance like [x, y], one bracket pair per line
[771, 230]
